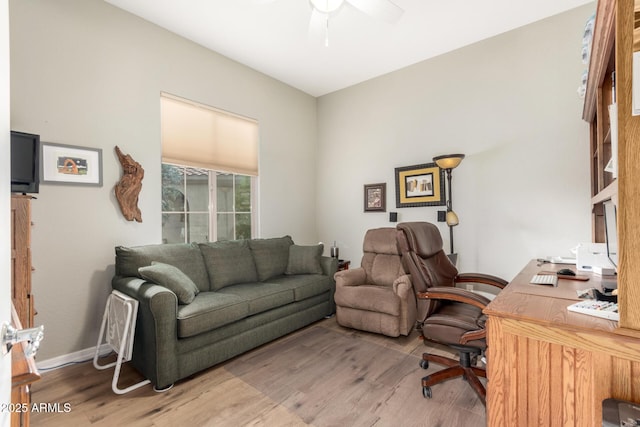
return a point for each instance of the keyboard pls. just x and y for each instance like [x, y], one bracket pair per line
[545, 279]
[604, 309]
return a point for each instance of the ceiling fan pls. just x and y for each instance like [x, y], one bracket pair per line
[323, 10]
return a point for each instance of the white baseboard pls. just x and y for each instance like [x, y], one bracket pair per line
[75, 357]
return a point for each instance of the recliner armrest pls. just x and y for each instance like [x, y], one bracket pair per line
[350, 277]
[402, 284]
[486, 279]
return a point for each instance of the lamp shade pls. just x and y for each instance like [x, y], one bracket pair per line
[452, 219]
[448, 161]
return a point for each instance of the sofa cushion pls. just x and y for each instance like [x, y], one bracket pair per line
[171, 278]
[228, 263]
[270, 256]
[261, 296]
[208, 311]
[304, 259]
[185, 256]
[305, 285]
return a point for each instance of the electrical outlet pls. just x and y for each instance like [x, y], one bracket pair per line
[470, 287]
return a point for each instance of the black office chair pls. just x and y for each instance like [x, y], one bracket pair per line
[446, 314]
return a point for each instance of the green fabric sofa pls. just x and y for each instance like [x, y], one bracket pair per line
[201, 304]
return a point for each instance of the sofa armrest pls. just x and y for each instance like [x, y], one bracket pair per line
[329, 265]
[156, 328]
[350, 277]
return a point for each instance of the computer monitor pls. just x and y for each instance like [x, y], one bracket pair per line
[611, 231]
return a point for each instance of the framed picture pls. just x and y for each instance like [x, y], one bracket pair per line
[419, 185]
[375, 198]
[70, 165]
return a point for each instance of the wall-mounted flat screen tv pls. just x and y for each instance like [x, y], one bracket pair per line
[25, 162]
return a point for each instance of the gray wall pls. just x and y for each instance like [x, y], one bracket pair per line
[510, 104]
[86, 73]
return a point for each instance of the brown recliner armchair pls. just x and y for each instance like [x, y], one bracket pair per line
[377, 296]
[446, 314]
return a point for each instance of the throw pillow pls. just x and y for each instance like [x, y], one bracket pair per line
[171, 278]
[304, 259]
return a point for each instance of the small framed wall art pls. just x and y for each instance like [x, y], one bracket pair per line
[419, 185]
[71, 165]
[375, 198]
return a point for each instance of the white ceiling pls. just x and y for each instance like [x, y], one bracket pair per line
[273, 38]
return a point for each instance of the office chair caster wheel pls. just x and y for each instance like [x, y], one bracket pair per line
[426, 392]
[424, 364]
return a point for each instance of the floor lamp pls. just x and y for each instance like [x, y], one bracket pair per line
[447, 163]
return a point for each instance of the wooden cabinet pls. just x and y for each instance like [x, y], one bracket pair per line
[21, 259]
[612, 50]
[600, 97]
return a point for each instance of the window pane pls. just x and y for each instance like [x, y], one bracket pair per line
[173, 228]
[172, 188]
[198, 227]
[225, 227]
[224, 192]
[243, 226]
[197, 190]
[243, 193]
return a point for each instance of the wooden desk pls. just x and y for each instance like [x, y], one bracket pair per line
[547, 366]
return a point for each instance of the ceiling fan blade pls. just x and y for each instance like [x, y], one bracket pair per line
[381, 9]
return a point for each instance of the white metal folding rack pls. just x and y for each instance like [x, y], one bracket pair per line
[119, 323]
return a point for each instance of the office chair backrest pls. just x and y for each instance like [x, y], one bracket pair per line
[423, 257]
[381, 260]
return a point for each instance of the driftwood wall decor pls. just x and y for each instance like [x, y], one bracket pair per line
[129, 186]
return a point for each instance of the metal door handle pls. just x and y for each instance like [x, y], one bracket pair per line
[12, 336]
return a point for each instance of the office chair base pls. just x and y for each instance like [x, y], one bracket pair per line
[455, 368]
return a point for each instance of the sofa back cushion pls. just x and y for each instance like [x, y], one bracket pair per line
[270, 256]
[228, 263]
[305, 259]
[184, 256]
[381, 259]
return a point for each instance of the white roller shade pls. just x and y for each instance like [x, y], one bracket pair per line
[201, 136]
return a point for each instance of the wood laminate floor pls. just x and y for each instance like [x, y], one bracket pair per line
[323, 375]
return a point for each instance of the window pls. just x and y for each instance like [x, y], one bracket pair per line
[200, 205]
[209, 173]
